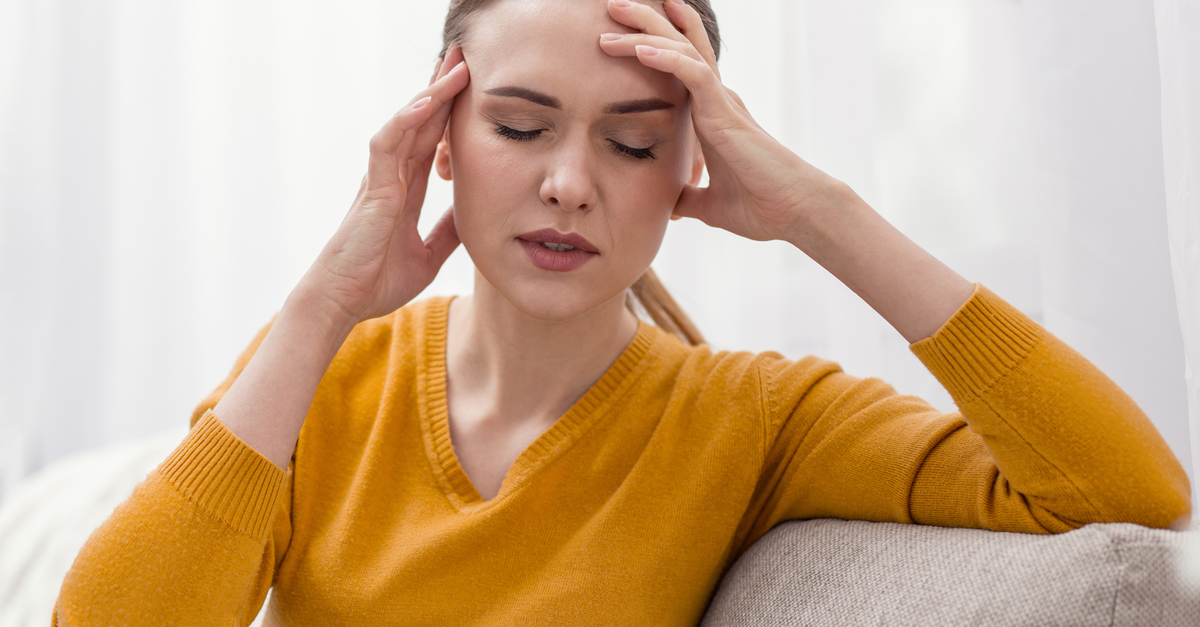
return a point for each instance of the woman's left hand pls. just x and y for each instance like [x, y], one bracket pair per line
[757, 188]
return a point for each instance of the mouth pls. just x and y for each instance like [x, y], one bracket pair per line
[561, 252]
[559, 242]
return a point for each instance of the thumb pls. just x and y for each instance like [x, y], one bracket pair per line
[693, 203]
[442, 240]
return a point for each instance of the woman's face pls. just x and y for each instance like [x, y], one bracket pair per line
[554, 140]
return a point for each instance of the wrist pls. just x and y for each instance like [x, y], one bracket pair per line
[316, 316]
[824, 215]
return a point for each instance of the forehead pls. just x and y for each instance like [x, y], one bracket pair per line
[552, 46]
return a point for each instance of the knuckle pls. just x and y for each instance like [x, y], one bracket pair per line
[376, 144]
[690, 17]
[710, 76]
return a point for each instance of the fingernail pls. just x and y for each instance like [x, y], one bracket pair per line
[622, 3]
[422, 102]
[611, 36]
[647, 51]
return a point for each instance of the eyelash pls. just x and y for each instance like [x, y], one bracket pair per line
[514, 134]
[525, 136]
[636, 153]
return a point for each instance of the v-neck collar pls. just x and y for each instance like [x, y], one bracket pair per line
[435, 423]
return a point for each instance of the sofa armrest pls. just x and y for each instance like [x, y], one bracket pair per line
[835, 572]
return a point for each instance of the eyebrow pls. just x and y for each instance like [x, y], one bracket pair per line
[527, 94]
[618, 108]
[638, 106]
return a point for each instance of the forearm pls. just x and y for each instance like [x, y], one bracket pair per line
[268, 402]
[1070, 446]
[910, 288]
[1049, 443]
[193, 545]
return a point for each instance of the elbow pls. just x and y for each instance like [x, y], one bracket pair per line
[1162, 504]
[1169, 503]
[1172, 511]
[1169, 513]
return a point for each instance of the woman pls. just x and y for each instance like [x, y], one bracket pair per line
[533, 453]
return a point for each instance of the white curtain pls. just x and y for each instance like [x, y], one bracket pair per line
[1178, 33]
[169, 169]
[1106, 271]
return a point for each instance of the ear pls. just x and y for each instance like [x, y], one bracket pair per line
[697, 170]
[697, 164]
[441, 160]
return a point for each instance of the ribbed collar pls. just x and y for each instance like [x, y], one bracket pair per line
[434, 415]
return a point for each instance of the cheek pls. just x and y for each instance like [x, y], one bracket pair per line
[489, 181]
[640, 209]
[656, 188]
[494, 181]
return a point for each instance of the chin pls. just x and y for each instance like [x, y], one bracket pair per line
[554, 303]
[548, 299]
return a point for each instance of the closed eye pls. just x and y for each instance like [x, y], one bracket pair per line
[636, 153]
[521, 136]
[525, 136]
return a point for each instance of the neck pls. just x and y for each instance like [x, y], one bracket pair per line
[507, 369]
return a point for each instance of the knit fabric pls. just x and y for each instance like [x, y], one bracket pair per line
[836, 573]
[630, 508]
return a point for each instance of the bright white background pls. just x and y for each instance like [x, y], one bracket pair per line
[168, 170]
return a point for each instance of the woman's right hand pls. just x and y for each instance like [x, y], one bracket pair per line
[377, 262]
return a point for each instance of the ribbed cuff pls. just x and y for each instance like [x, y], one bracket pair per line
[223, 475]
[979, 344]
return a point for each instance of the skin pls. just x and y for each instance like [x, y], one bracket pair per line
[510, 343]
[530, 342]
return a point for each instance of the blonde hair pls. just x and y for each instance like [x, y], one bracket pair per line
[652, 297]
[647, 293]
[455, 27]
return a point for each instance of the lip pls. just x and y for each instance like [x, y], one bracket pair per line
[554, 237]
[547, 259]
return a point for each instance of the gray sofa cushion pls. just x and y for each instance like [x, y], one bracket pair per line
[834, 572]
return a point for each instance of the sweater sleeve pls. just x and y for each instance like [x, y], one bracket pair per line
[1044, 442]
[197, 543]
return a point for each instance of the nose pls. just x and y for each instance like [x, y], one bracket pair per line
[570, 182]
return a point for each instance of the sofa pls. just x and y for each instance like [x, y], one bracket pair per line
[836, 572]
[815, 572]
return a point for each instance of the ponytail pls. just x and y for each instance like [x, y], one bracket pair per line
[652, 297]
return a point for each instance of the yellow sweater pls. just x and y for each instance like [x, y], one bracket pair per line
[632, 506]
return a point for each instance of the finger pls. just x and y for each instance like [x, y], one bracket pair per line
[708, 98]
[381, 166]
[452, 58]
[688, 21]
[452, 81]
[387, 142]
[419, 144]
[442, 240]
[431, 132]
[693, 203]
[437, 70]
[643, 18]
[417, 176]
[625, 44]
